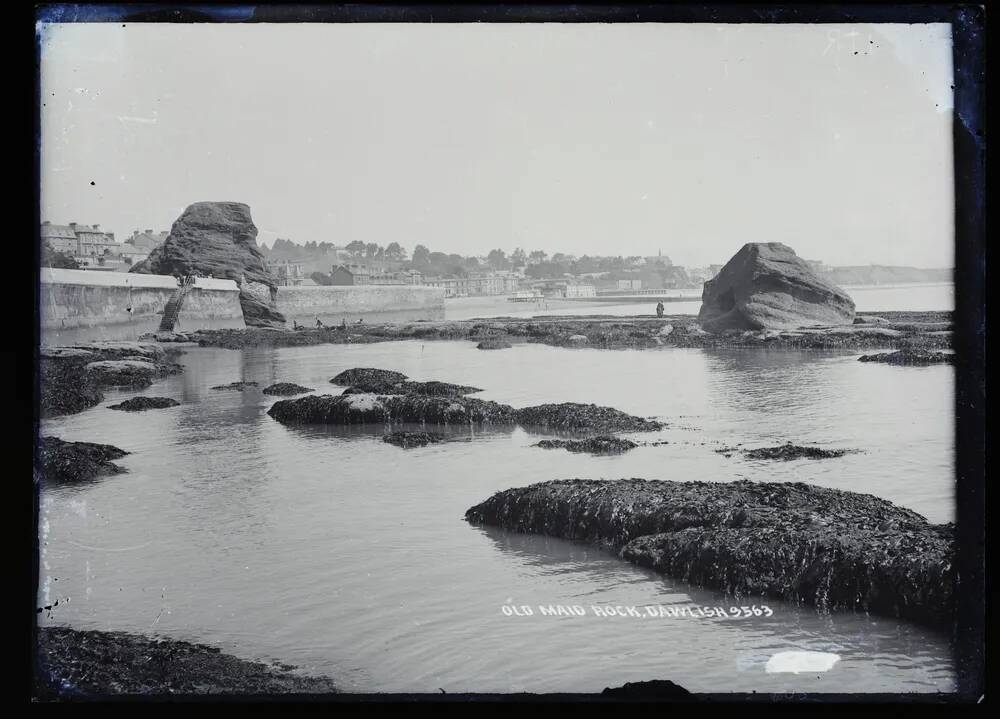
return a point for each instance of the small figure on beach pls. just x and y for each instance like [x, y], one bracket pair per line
[296, 326]
[659, 309]
[319, 323]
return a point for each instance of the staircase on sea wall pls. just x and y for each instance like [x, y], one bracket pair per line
[173, 308]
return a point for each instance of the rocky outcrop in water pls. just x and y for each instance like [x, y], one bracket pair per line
[830, 548]
[219, 239]
[74, 664]
[788, 451]
[239, 386]
[65, 387]
[368, 379]
[71, 378]
[371, 408]
[592, 445]
[122, 373]
[406, 440]
[141, 404]
[583, 417]
[494, 343]
[61, 461]
[433, 388]
[285, 389]
[910, 357]
[767, 286]
[927, 330]
[377, 395]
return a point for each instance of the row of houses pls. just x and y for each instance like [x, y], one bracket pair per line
[78, 240]
[93, 248]
[475, 284]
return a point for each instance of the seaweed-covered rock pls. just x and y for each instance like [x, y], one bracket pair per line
[910, 357]
[589, 417]
[65, 387]
[430, 389]
[406, 440]
[899, 572]
[61, 461]
[791, 451]
[122, 373]
[494, 343]
[372, 408]
[116, 350]
[70, 378]
[286, 388]
[75, 664]
[767, 286]
[434, 388]
[235, 386]
[592, 445]
[141, 404]
[369, 379]
[66, 353]
[828, 547]
[928, 330]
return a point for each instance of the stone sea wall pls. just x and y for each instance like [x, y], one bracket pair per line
[78, 303]
[330, 304]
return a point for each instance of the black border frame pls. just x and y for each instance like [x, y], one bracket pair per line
[969, 27]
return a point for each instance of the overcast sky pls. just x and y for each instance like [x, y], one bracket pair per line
[613, 139]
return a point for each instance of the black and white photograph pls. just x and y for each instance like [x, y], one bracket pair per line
[416, 355]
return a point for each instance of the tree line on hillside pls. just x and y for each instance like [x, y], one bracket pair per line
[537, 263]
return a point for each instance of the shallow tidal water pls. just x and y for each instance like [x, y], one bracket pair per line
[914, 297]
[346, 556]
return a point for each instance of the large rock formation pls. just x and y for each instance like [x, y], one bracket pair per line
[827, 547]
[767, 286]
[219, 239]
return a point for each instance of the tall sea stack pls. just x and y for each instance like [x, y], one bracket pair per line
[219, 239]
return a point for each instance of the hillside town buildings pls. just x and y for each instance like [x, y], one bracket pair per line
[94, 249]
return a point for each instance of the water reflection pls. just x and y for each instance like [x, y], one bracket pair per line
[328, 548]
[606, 579]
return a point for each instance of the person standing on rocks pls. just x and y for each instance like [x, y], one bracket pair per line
[659, 309]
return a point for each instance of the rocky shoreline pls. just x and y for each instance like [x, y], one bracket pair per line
[74, 664]
[884, 330]
[72, 462]
[376, 396]
[72, 378]
[825, 547]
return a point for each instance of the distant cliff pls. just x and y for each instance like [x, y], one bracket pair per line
[883, 275]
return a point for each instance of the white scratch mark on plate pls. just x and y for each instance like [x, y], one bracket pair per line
[795, 662]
